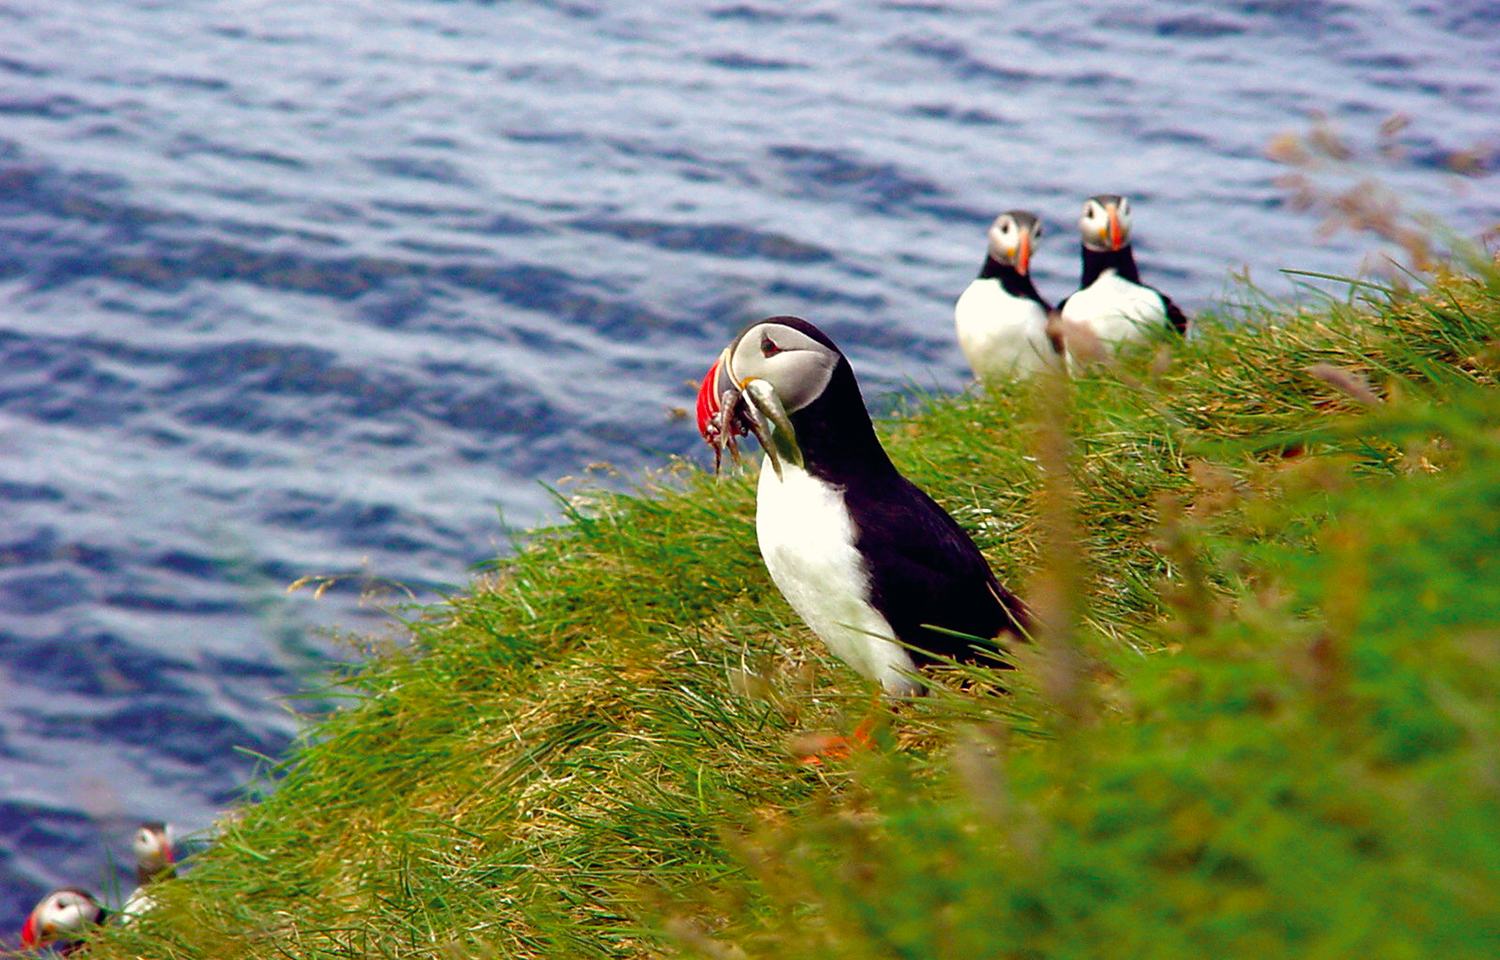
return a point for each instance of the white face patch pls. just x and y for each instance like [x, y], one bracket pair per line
[1094, 223]
[65, 914]
[1006, 234]
[794, 364]
[151, 847]
[1004, 238]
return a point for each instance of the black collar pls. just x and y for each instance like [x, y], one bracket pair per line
[1012, 281]
[1095, 262]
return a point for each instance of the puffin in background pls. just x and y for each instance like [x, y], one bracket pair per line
[1002, 321]
[62, 918]
[869, 561]
[1111, 303]
[154, 861]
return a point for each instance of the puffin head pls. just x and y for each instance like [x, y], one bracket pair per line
[64, 914]
[1012, 237]
[1105, 223]
[153, 851]
[770, 371]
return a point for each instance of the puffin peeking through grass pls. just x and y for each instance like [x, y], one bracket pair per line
[62, 919]
[880, 572]
[154, 861]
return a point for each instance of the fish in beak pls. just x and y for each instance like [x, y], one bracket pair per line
[728, 409]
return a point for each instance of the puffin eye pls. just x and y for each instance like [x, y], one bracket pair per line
[768, 347]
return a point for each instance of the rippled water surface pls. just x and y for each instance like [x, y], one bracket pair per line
[304, 288]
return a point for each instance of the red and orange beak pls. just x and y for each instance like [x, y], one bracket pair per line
[729, 409]
[1023, 253]
[1113, 236]
[29, 938]
[719, 426]
[708, 401]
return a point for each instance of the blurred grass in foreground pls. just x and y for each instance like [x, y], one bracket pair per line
[1264, 721]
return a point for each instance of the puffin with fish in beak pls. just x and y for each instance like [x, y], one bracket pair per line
[880, 572]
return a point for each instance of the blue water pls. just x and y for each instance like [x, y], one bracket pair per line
[302, 289]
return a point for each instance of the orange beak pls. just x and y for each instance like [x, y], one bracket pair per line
[28, 933]
[1114, 229]
[1023, 254]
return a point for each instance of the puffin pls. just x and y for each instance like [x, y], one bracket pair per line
[154, 861]
[1003, 323]
[872, 564]
[62, 918]
[1111, 302]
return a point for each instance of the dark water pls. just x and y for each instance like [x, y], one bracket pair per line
[301, 288]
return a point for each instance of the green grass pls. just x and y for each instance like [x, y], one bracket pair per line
[1261, 719]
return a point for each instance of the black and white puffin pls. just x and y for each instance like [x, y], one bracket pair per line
[1002, 321]
[62, 919]
[1111, 303]
[154, 861]
[867, 559]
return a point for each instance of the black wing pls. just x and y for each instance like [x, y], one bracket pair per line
[1175, 316]
[924, 569]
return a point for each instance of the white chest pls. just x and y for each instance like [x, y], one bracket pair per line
[807, 542]
[1002, 336]
[1115, 309]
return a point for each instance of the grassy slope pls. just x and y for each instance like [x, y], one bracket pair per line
[1264, 721]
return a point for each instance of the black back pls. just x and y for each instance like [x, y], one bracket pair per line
[924, 568]
[1175, 316]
